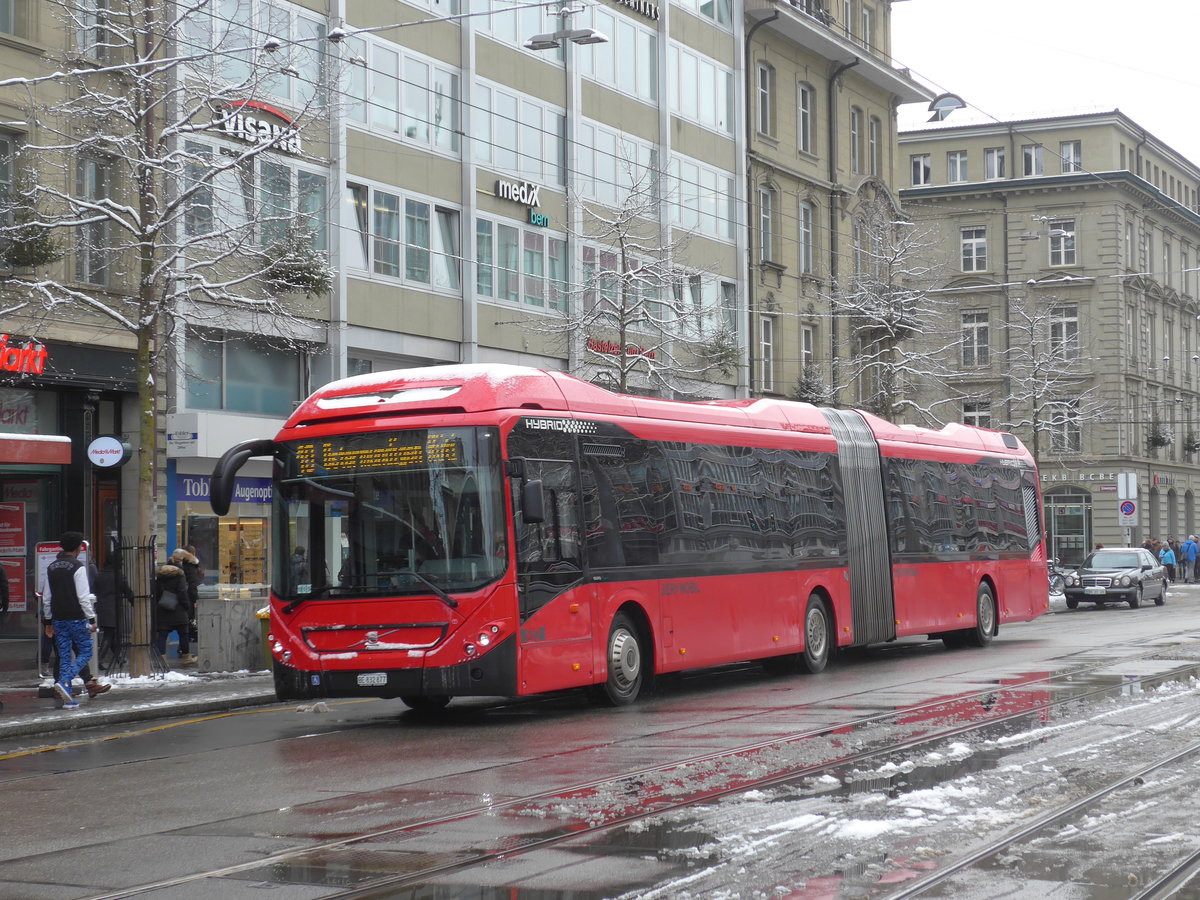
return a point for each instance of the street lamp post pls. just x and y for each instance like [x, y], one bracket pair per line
[565, 37]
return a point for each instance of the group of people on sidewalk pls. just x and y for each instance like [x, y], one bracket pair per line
[77, 601]
[1178, 558]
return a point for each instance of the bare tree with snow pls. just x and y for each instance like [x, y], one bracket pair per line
[1051, 395]
[896, 321]
[639, 316]
[153, 196]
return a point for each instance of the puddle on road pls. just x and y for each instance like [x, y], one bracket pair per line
[669, 838]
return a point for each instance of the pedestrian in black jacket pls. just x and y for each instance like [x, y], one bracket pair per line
[170, 580]
[110, 586]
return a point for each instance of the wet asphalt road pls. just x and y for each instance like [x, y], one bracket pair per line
[117, 809]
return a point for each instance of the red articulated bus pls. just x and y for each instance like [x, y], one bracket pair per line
[492, 530]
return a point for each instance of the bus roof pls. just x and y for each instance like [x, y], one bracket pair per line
[484, 387]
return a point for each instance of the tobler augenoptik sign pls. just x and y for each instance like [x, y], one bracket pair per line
[255, 122]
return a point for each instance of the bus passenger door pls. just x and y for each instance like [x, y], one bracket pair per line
[554, 603]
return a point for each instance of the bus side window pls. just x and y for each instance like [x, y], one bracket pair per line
[553, 543]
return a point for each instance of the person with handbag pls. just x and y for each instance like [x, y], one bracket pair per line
[172, 609]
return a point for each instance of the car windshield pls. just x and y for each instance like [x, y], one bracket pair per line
[1112, 561]
[389, 513]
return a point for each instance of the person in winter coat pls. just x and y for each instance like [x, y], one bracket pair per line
[1189, 551]
[1166, 556]
[68, 613]
[170, 578]
[110, 586]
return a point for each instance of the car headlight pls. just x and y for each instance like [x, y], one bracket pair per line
[1125, 581]
[1072, 580]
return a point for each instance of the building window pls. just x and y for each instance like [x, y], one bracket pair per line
[92, 183]
[1062, 421]
[8, 149]
[1062, 242]
[922, 171]
[808, 346]
[719, 11]
[521, 266]
[1032, 160]
[243, 373]
[873, 144]
[766, 99]
[848, 17]
[701, 90]
[1072, 156]
[7, 23]
[766, 223]
[977, 413]
[766, 353]
[1064, 331]
[993, 163]
[856, 125]
[702, 198]
[975, 338]
[198, 189]
[868, 28]
[804, 103]
[974, 249]
[408, 238]
[956, 165]
[515, 134]
[806, 237]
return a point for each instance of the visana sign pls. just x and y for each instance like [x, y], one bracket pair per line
[254, 130]
[518, 192]
[27, 360]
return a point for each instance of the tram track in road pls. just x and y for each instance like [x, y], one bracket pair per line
[412, 853]
[1165, 885]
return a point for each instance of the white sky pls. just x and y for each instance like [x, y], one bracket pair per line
[1032, 58]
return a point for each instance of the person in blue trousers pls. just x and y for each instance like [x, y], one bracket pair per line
[69, 613]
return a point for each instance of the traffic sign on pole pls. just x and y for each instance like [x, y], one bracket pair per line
[1127, 513]
[1127, 485]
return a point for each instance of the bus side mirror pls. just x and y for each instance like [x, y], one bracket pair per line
[533, 502]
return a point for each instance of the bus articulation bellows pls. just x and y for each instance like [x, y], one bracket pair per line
[491, 530]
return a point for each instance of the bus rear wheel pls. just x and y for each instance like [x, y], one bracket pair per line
[985, 618]
[421, 703]
[626, 667]
[818, 635]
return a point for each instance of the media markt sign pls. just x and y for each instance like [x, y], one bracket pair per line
[108, 451]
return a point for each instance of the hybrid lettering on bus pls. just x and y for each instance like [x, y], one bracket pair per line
[486, 530]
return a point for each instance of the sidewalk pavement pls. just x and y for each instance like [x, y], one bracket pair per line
[179, 692]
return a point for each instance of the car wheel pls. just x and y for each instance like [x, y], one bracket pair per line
[985, 618]
[625, 664]
[1072, 604]
[1162, 595]
[1136, 600]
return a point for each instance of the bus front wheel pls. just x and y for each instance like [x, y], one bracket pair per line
[626, 666]
[818, 635]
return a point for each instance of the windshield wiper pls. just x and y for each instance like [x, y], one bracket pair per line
[295, 604]
[442, 595]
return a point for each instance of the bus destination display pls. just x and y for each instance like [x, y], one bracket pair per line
[372, 453]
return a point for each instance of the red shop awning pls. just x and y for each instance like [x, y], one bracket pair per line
[35, 449]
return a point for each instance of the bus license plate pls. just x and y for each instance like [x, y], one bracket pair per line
[372, 679]
[1086, 590]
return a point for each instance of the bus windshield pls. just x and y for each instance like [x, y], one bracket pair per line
[390, 513]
